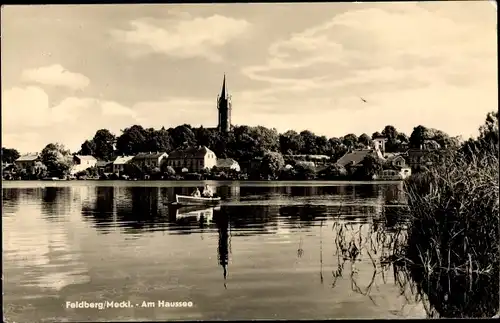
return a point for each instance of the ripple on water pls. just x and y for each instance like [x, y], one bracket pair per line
[121, 242]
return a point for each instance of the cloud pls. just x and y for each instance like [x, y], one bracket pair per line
[172, 112]
[110, 108]
[400, 40]
[413, 65]
[56, 75]
[30, 121]
[24, 107]
[183, 36]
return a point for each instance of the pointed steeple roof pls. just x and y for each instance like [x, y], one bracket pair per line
[223, 92]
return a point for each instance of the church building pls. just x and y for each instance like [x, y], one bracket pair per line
[224, 108]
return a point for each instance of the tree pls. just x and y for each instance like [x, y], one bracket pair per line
[486, 143]
[158, 140]
[291, 143]
[371, 166]
[206, 137]
[9, 155]
[365, 140]
[323, 146]
[376, 134]
[334, 171]
[132, 141]
[271, 165]
[390, 133]
[57, 159]
[488, 133]
[88, 148]
[418, 136]
[133, 170]
[182, 136]
[403, 138]
[309, 139]
[104, 142]
[305, 171]
[40, 170]
[350, 140]
[251, 142]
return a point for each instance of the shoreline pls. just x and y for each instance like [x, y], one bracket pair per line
[190, 183]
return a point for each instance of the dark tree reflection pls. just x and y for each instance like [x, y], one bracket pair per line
[56, 201]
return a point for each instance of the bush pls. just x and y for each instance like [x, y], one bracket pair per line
[168, 172]
[271, 166]
[305, 172]
[453, 238]
[333, 172]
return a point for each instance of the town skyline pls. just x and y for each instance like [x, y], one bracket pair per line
[330, 68]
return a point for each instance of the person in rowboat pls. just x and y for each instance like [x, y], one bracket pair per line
[207, 191]
[196, 192]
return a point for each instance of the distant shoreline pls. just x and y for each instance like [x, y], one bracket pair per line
[191, 182]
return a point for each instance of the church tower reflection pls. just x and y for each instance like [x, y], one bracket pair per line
[223, 227]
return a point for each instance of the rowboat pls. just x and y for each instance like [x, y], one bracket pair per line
[193, 200]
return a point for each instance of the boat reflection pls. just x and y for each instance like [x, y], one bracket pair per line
[200, 214]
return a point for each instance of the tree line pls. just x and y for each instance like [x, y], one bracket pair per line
[243, 143]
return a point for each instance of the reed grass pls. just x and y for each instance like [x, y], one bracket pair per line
[452, 244]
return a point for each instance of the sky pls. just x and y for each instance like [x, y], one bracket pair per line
[70, 70]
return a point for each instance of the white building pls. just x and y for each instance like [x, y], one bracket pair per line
[192, 158]
[83, 162]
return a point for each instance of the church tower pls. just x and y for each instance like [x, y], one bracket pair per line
[224, 107]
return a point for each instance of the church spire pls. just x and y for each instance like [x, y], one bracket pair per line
[223, 92]
[224, 107]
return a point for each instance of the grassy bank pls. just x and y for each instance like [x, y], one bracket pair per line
[452, 246]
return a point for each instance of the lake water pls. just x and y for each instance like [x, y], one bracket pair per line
[271, 250]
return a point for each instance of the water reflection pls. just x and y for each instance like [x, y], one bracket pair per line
[325, 247]
[222, 221]
[10, 201]
[100, 206]
[56, 202]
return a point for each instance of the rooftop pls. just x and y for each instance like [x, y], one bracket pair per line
[355, 157]
[30, 157]
[154, 155]
[191, 152]
[103, 163]
[122, 160]
[85, 157]
[227, 162]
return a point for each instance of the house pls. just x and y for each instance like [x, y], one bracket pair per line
[119, 163]
[395, 168]
[150, 159]
[379, 143]
[105, 166]
[228, 164]
[192, 158]
[393, 174]
[424, 156]
[395, 160]
[28, 160]
[82, 162]
[355, 158]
